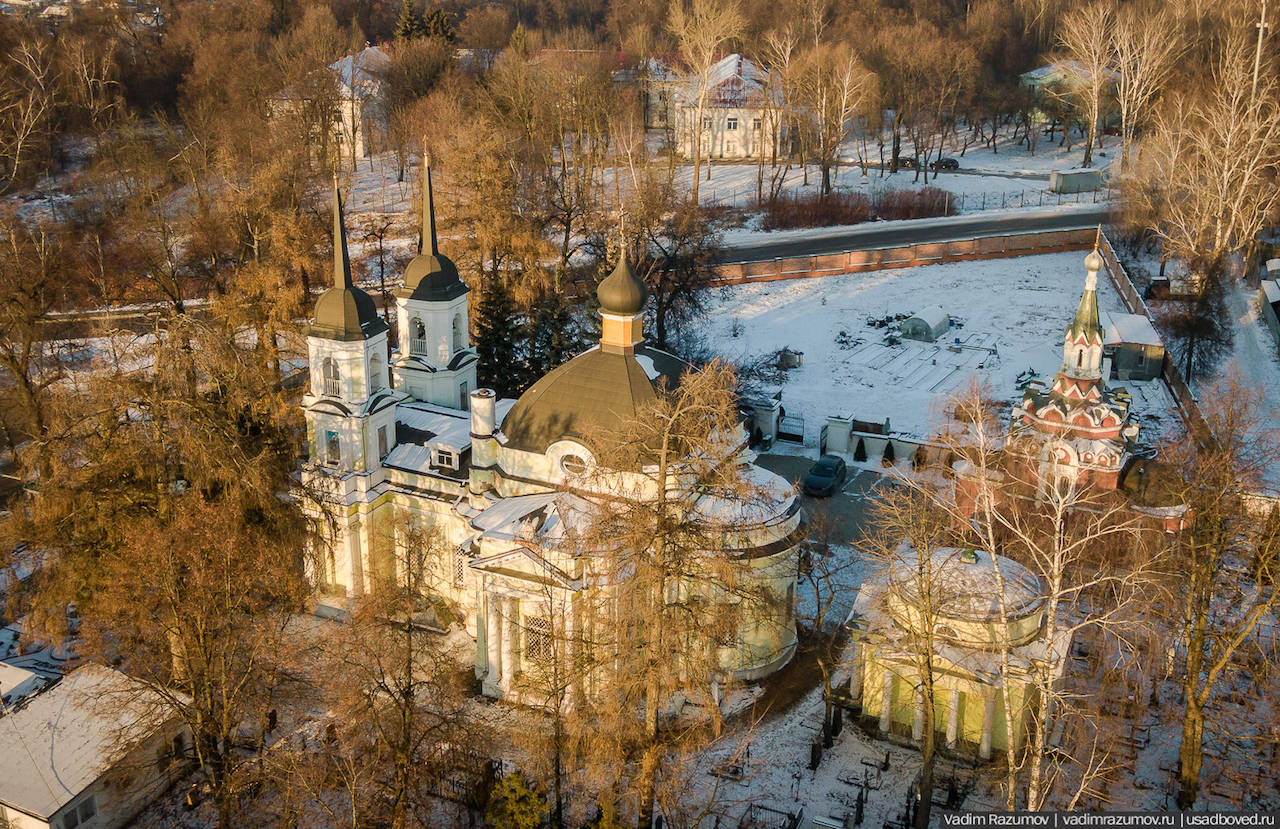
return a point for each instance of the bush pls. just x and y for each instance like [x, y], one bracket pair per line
[924, 203]
[841, 208]
[813, 210]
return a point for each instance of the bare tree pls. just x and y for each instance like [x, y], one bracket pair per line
[1227, 556]
[833, 86]
[675, 597]
[702, 30]
[1145, 55]
[1084, 36]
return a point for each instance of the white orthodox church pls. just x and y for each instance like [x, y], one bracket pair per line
[404, 438]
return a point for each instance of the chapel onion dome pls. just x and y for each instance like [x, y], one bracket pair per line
[622, 292]
[430, 276]
[344, 312]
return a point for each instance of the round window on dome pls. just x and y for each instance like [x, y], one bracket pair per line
[573, 465]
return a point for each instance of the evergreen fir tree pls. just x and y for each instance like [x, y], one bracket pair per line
[496, 335]
[410, 24]
[553, 337]
[514, 804]
[438, 25]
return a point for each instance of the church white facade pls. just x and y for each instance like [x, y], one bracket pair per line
[404, 438]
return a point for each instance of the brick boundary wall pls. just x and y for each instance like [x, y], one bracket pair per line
[925, 253]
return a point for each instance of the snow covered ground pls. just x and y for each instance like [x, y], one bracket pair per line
[1010, 315]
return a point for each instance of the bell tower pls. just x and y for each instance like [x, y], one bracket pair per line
[350, 407]
[435, 363]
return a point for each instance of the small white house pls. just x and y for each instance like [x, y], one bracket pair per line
[88, 752]
[737, 119]
[361, 111]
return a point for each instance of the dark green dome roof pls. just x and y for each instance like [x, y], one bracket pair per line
[432, 277]
[597, 392]
[622, 292]
[344, 312]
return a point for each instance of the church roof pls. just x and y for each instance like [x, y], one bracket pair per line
[431, 276]
[344, 312]
[597, 392]
[1086, 324]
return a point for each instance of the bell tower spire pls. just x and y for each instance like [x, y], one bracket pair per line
[341, 259]
[430, 243]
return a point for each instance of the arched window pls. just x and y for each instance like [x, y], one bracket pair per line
[1079, 357]
[457, 333]
[329, 371]
[376, 373]
[417, 337]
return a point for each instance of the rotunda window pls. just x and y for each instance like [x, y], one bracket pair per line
[573, 465]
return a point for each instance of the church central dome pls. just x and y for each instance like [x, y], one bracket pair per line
[598, 392]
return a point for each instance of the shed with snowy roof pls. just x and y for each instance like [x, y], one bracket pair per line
[1134, 346]
[928, 325]
[1269, 301]
[92, 749]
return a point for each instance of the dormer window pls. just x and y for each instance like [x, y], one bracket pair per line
[444, 459]
[417, 337]
[329, 375]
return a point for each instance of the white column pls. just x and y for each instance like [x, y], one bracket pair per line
[988, 722]
[355, 559]
[917, 717]
[953, 717]
[886, 700]
[510, 614]
[493, 643]
[855, 672]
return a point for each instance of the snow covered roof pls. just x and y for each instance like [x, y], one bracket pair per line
[966, 581]
[1273, 266]
[65, 738]
[933, 316]
[362, 70]
[548, 516]
[1270, 288]
[16, 684]
[733, 81]
[1060, 70]
[1135, 329]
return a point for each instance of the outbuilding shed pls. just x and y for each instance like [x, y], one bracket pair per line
[1269, 300]
[926, 325]
[1134, 346]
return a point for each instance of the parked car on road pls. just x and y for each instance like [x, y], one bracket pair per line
[825, 477]
[906, 162]
[944, 164]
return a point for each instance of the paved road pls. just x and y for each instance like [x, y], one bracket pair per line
[840, 519]
[876, 235]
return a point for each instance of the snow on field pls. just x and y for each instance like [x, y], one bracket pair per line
[1010, 316]
[1012, 157]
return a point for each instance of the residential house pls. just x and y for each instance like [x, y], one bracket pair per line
[90, 751]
